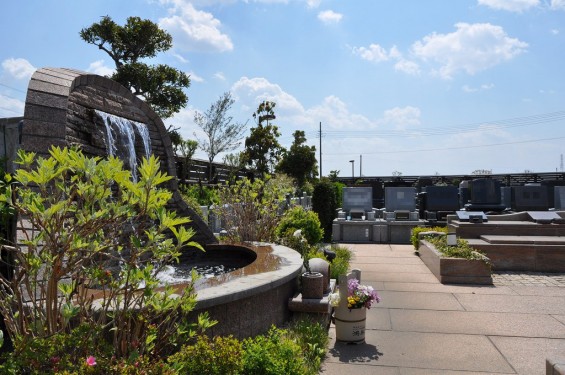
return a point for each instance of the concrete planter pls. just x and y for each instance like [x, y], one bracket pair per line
[454, 270]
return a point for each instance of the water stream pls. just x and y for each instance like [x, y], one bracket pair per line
[120, 137]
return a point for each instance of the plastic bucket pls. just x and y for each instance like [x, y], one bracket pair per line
[350, 324]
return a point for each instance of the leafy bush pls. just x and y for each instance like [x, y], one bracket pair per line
[340, 264]
[298, 218]
[204, 195]
[250, 209]
[461, 250]
[217, 356]
[273, 354]
[313, 339]
[324, 203]
[417, 230]
[93, 228]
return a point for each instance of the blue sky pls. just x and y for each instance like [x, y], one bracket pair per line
[408, 86]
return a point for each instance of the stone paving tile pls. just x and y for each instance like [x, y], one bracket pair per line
[512, 304]
[429, 351]
[528, 278]
[528, 355]
[441, 288]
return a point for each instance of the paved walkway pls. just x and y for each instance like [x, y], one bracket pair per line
[424, 327]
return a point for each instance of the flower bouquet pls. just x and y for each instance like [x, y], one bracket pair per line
[360, 295]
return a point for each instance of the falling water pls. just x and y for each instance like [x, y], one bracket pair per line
[120, 135]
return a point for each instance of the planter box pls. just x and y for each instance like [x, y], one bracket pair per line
[454, 270]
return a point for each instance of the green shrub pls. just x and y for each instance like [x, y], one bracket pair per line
[461, 250]
[313, 339]
[204, 195]
[249, 209]
[417, 230]
[61, 351]
[86, 214]
[273, 354]
[338, 187]
[298, 218]
[324, 203]
[217, 356]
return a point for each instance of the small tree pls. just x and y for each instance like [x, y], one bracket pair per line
[93, 244]
[250, 209]
[262, 148]
[222, 135]
[161, 86]
[299, 161]
[234, 163]
[324, 203]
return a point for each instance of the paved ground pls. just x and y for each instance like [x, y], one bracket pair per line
[424, 327]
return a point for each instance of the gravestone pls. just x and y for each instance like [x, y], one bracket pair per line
[400, 199]
[559, 197]
[485, 195]
[439, 201]
[357, 202]
[530, 198]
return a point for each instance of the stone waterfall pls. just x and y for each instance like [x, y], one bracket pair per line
[121, 137]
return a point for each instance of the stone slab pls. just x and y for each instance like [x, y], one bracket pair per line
[441, 288]
[512, 304]
[421, 350]
[537, 240]
[399, 277]
[391, 267]
[418, 371]
[357, 369]
[480, 323]
[416, 300]
[378, 318]
[410, 260]
[528, 355]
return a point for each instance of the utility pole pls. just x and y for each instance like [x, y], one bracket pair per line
[320, 149]
[352, 168]
[360, 165]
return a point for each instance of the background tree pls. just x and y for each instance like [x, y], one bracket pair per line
[299, 162]
[262, 148]
[324, 203]
[222, 135]
[161, 86]
[234, 163]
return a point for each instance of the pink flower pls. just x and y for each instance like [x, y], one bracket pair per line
[91, 361]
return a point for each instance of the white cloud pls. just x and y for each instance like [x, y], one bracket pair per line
[10, 107]
[220, 76]
[402, 117]
[249, 92]
[512, 5]
[471, 48]
[313, 3]
[194, 30]
[329, 17]
[408, 67]
[483, 87]
[374, 53]
[98, 67]
[18, 68]
[335, 114]
[195, 78]
[558, 4]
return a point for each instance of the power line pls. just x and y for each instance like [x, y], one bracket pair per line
[448, 148]
[467, 128]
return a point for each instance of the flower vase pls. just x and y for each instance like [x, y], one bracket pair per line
[350, 324]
